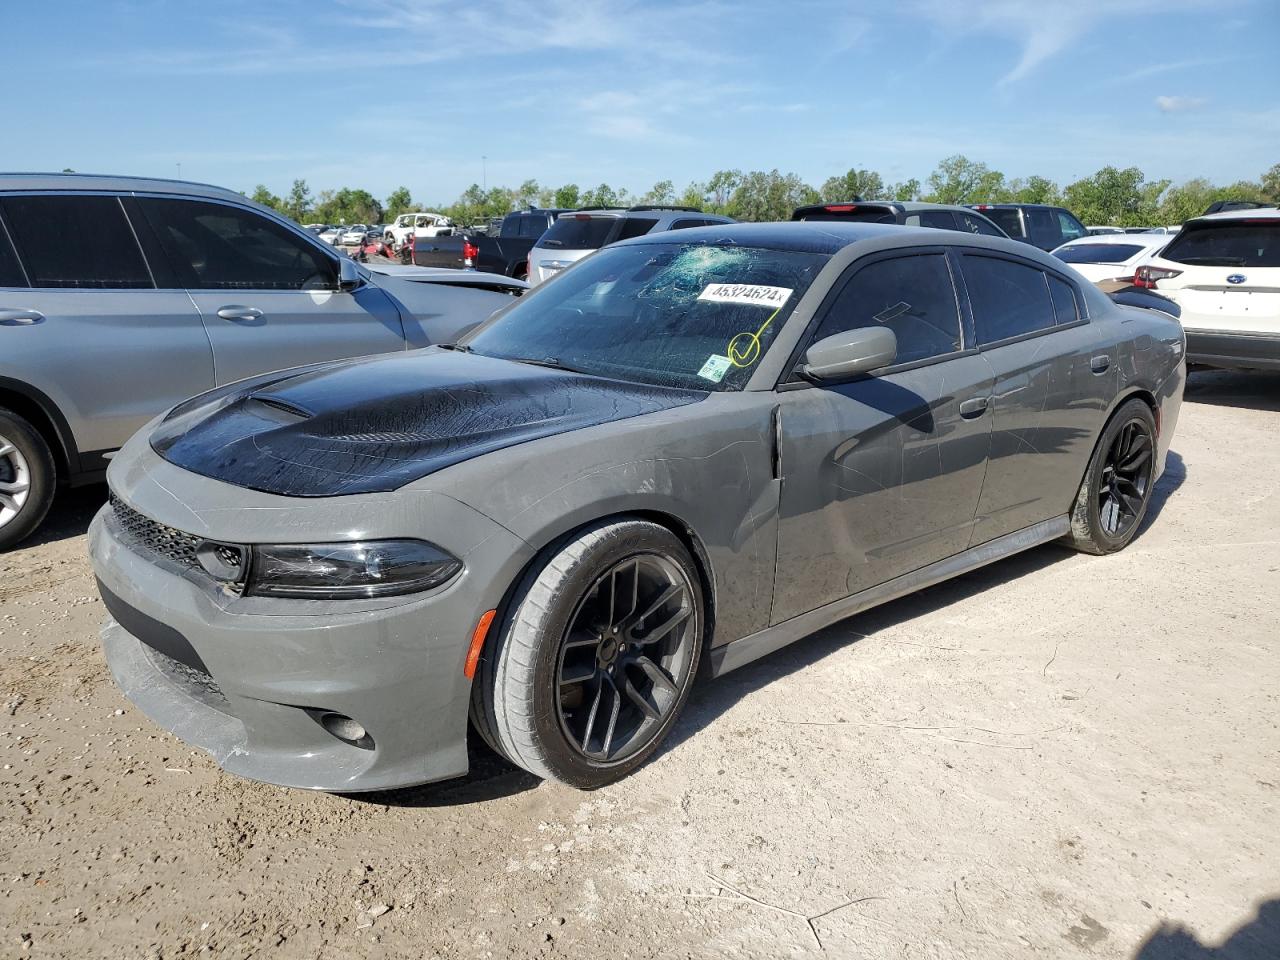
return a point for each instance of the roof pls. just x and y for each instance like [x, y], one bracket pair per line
[822, 236]
[1264, 213]
[1132, 239]
[1019, 206]
[96, 181]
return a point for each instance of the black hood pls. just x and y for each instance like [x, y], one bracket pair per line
[378, 423]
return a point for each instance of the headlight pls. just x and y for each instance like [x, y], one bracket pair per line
[336, 571]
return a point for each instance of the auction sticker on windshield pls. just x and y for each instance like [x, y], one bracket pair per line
[773, 297]
[715, 368]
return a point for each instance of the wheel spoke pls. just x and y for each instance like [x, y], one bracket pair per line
[579, 675]
[6, 448]
[13, 487]
[1135, 461]
[665, 597]
[659, 676]
[8, 503]
[613, 719]
[636, 697]
[591, 718]
[664, 629]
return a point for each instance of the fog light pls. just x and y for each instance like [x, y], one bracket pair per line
[346, 730]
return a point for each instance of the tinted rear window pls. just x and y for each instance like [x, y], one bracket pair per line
[1241, 244]
[76, 241]
[1097, 252]
[578, 232]
[1006, 220]
[634, 227]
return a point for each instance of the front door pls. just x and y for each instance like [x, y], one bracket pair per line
[267, 295]
[881, 475]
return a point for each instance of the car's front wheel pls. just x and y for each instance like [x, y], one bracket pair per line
[596, 656]
[27, 478]
[1116, 489]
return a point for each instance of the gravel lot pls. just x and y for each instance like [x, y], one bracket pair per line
[1056, 756]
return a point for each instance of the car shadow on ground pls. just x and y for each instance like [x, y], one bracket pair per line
[1259, 939]
[69, 516]
[490, 778]
[1250, 389]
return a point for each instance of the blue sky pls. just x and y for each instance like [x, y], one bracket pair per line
[387, 92]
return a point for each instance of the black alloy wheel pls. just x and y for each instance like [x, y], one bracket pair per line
[626, 657]
[1126, 478]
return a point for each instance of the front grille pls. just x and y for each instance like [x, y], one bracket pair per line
[173, 545]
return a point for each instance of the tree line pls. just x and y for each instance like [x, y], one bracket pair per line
[1112, 196]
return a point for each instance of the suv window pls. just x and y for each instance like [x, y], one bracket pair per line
[578, 231]
[1008, 219]
[913, 296]
[973, 223]
[1242, 243]
[634, 227]
[1042, 227]
[938, 219]
[11, 274]
[687, 224]
[527, 226]
[76, 241]
[215, 246]
[1070, 227]
[1009, 299]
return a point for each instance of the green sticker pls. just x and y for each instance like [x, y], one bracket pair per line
[715, 368]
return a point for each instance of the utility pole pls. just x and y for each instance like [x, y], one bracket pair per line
[179, 170]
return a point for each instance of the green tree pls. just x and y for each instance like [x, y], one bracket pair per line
[1116, 197]
[664, 191]
[864, 184]
[721, 187]
[695, 195]
[770, 196]
[400, 201]
[958, 179]
[348, 205]
[1033, 190]
[298, 203]
[527, 195]
[602, 196]
[1271, 185]
[568, 196]
[265, 197]
[907, 190]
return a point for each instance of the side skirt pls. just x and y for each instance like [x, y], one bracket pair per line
[738, 653]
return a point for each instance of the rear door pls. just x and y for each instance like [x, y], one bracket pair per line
[84, 322]
[1054, 378]
[267, 295]
[881, 475]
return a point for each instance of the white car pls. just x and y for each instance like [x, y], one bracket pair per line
[420, 225]
[1110, 259]
[354, 234]
[331, 234]
[1223, 272]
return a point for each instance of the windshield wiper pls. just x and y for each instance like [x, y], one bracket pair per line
[551, 362]
[460, 347]
[550, 243]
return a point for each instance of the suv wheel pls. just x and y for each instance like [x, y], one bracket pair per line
[26, 478]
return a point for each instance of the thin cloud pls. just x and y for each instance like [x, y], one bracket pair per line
[1180, 104]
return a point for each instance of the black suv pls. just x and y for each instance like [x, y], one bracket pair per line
[909, 213]
[1035, 223]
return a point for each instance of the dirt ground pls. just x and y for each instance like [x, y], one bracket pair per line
[1057, 756]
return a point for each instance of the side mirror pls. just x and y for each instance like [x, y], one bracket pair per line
[851, 352]
[349, 276]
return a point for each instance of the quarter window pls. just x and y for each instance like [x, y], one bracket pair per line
[1009, 299]
[912, 296]
[974, 224]
[1064, 301]
[220, 247]
[76, 241]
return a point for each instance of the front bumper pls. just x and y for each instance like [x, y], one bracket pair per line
[246, 679]
[1233, 351]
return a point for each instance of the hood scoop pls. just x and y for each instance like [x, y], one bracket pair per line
[376, 424]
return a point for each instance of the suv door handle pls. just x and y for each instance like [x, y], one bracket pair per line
[20, 318]
[1100, 363]
[235, 311]
[975, 407]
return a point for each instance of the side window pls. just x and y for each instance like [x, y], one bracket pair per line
[533, 227]
[11, 274]
[938, 219]
[1069, 226]
[688, 224]
[1009, 299]
[76, 241]
[634, 227]
[220, 247]
[1064, 301]
[912, 296]
[975, 224]
[1042, 227]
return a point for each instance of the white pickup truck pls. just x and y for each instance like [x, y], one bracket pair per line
[420, 225]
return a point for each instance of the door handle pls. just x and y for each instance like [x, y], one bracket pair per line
[1100, 363]
[20, 318]
[237, 312]
[974, 407]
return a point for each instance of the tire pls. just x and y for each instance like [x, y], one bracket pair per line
[1116, 489]
[573, 694]
[28, 478]
[521, 272]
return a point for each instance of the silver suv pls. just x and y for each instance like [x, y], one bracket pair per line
[120, 297]
[584, 231]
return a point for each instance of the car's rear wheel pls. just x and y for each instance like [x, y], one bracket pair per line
[1116, 489]
[596, 656]
[27, 478]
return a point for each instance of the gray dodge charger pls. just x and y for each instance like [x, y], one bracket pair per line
[680, 455]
